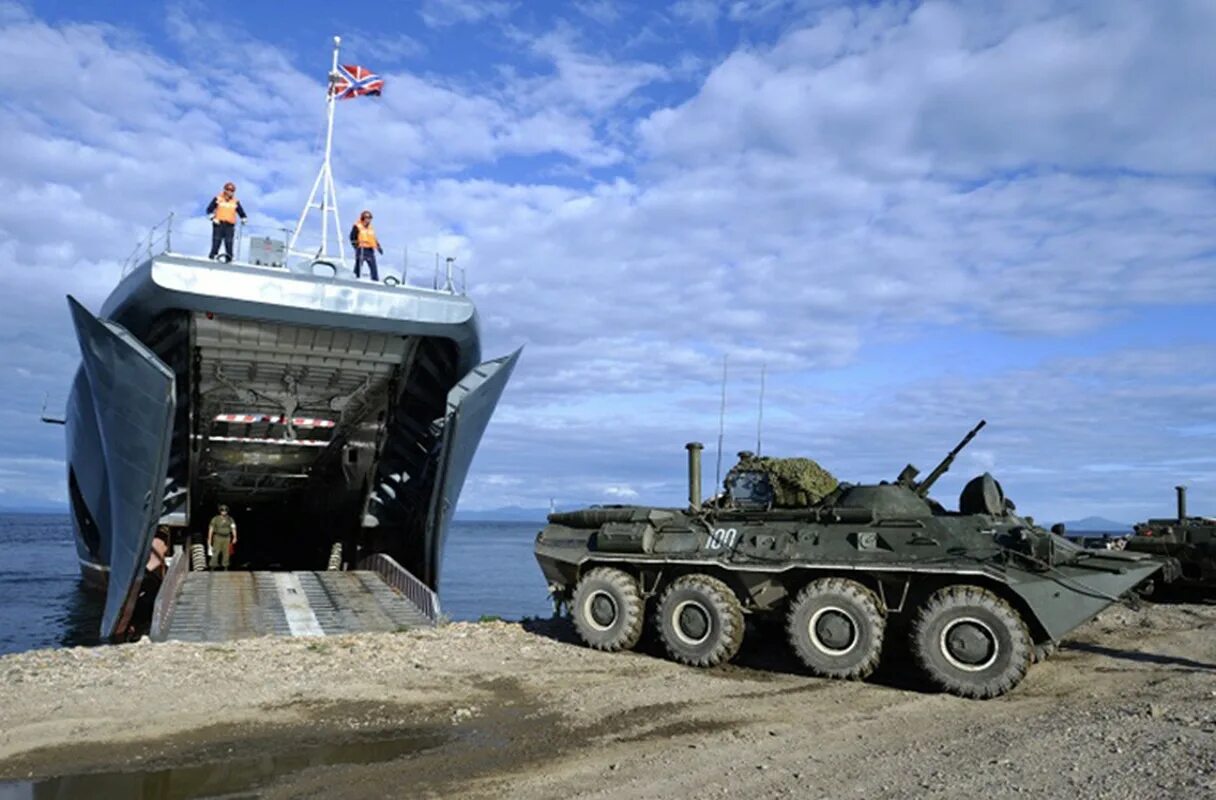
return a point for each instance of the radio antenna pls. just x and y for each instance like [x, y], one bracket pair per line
[721, 427]
[760, 414]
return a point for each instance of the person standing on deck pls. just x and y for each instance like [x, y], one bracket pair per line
[363, 239]
[221, 538]
[224, 208]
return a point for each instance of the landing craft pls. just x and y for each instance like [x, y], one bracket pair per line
[337, 418]
[981, 591]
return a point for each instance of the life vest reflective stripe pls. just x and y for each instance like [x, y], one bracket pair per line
[367, 236]
[225, 209]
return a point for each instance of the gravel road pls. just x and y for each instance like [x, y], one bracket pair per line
[1126, 709]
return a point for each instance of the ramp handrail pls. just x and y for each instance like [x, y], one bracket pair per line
[166, 596]
[401, 579]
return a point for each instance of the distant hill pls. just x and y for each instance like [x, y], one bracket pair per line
[1096, 524]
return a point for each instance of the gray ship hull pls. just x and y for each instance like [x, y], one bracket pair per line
[337, 419]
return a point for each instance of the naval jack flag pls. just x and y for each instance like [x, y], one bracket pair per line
[354, 81]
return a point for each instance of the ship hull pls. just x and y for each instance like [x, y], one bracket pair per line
[337, 420]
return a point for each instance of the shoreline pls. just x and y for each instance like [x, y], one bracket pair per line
[1126, 709]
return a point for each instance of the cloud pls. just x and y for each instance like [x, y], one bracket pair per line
[1048, 439]
[380, 48]
[605, 12]
[916, 215]
[697, 12]
[442, 13]
[946, 90]
[581, 79]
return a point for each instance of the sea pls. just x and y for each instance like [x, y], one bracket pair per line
[488, 571]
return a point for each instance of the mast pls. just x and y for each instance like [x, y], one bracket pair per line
[324, 183]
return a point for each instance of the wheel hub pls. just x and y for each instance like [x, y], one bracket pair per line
[969, 644]
[601, 609]
[692, 622]
[833, 630]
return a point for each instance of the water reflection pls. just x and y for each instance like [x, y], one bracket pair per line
[80, 620]
[234, 778]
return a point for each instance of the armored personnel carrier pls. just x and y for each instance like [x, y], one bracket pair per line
[1190, 540]
[979, 590]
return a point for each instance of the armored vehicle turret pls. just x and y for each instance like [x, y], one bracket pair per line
[981, 590]
[1188, 539]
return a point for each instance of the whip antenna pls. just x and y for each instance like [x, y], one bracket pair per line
[760, 414]
[721, 427]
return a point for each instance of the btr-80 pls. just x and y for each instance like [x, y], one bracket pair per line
[982, 590]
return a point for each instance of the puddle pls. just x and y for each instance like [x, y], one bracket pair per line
[238, 777]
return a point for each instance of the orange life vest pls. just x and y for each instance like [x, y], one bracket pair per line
[225, 210]
[367, 236]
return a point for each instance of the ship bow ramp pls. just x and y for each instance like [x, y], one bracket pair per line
[337, 425]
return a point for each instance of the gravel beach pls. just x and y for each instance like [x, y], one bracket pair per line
[1126, 709]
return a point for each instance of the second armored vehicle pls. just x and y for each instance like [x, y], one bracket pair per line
[981, 589]
[1191, 540]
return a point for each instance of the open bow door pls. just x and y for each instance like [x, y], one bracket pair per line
[133, 404]
[470, 404]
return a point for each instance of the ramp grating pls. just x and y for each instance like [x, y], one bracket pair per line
[219, 606]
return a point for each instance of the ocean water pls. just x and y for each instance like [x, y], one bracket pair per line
[488, 569]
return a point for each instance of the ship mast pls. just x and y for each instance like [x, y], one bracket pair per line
[324, 184]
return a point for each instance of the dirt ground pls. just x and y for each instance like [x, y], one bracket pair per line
[1126, 709]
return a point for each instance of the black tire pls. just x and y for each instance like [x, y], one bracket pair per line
[836, 627]
[971, 643]
[608, 609]
[1044, 651]
[700, 621]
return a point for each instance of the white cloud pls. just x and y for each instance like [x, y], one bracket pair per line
[697, 12]
[373, 49]
[605, 12]
[581, 79]
[875, 188]
[442, 13]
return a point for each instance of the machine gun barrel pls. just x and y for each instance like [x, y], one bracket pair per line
[924, 486]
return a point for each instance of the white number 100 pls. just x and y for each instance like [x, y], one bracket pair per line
[722, 537]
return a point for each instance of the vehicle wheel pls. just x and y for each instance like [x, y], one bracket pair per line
[335, 557]
[971, 643]
[836, 628]
[198, 557]
[608, 609]
[700, 621]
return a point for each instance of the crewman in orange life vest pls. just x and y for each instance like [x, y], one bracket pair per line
[363, 239]
[224, 208]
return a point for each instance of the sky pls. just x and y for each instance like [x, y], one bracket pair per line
[911, 215]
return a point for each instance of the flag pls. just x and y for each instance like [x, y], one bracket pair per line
[353, 81]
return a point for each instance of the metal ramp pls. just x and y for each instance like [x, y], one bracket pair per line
[220, 606]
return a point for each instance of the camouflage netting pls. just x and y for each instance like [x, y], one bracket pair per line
[797, 482]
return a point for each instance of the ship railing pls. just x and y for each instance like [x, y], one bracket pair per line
[405, 582]
[267, 246]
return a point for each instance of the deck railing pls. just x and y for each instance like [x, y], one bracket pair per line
[262, 246]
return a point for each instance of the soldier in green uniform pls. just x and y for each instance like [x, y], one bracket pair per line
[221, 537]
